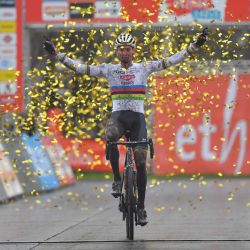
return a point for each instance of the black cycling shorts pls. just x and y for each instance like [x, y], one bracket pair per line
[131, 121]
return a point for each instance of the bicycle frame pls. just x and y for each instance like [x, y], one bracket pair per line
[128, 197]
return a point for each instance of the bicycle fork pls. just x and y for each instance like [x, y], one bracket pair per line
[122, 207]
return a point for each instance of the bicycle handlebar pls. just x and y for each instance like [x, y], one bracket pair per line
[131, 144]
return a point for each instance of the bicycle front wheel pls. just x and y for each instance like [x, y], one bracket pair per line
[130, 204]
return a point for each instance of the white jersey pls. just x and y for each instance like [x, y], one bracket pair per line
[127, 86]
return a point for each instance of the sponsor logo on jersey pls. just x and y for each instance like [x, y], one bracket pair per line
[127, 77]
[119, 71]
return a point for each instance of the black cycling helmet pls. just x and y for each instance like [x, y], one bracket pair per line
[125, 39]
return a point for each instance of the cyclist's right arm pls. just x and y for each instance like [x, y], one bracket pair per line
[100, 70]
[83, 69]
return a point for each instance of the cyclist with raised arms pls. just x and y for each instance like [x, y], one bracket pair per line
[128, 84]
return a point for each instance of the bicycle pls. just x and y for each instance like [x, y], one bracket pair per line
[128, 199]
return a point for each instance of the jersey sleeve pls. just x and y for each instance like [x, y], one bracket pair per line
[83, 69]
[99, 70]
[154, 66]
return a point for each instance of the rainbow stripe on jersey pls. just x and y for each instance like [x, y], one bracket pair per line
[128, 92]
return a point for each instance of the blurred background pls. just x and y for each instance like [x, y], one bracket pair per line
[53, 120]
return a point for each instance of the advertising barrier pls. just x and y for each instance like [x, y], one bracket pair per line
[42, 166]
[89, 155]
[201, 125]
[10, 186]
[20, 159]
[85, 154]
[150, 11]
[59, 160]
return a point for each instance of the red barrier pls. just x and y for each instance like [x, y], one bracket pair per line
[201, 125]
[234, 12]
[86, 154]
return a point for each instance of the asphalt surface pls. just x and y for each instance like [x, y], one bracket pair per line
[183, 214]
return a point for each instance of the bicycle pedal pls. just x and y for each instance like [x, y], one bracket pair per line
[116, 195]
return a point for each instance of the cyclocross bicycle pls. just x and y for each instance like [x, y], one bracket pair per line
[128, 199]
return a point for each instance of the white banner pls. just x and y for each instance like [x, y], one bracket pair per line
[52, 11]
[8, 88]
[7, 14]
[107, 9]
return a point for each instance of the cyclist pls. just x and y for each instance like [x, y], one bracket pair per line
[128, 81]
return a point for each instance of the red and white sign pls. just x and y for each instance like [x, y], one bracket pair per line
[189, 10]
[201, 125]
[184, 11]
[7, 39]
[203, 128]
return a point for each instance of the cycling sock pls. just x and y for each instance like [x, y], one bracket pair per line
[141, 184]
[114, 161]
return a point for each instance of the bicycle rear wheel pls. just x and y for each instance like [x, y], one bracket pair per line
[130, 204]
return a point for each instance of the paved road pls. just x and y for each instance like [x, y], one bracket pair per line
[185, 214]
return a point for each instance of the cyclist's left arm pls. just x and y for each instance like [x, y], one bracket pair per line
[154, 66]
[192, 48]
